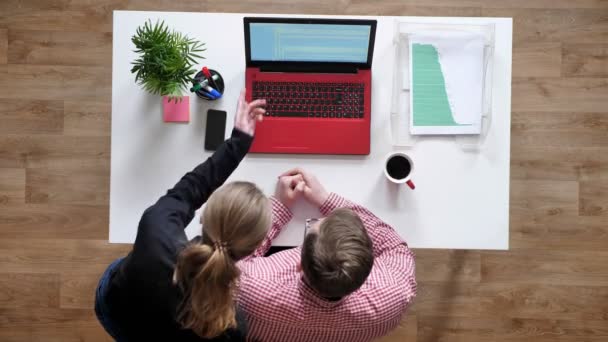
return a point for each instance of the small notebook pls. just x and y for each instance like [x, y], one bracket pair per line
[176, 111]
[446, 81]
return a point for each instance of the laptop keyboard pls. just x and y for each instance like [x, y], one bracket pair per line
[311, 100]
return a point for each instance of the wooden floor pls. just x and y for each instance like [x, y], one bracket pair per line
[55, 95]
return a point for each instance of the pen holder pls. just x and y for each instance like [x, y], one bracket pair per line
[217, 78]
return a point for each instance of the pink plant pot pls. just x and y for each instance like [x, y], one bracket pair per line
[176, 111]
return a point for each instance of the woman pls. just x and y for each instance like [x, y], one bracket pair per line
[169, 289]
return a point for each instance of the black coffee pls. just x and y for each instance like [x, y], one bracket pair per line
[398, 167]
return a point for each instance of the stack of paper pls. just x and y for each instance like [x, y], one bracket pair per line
[446, 80]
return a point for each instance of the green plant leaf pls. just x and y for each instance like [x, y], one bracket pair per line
[164, 65]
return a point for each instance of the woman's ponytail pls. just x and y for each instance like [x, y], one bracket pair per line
[209, 308]
[235, 220]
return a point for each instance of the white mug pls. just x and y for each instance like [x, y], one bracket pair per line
[399, 172]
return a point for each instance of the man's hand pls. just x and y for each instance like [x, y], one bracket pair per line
[288, 189]
[248, 113]
[314, 192]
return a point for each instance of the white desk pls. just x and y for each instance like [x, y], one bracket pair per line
[461, 199]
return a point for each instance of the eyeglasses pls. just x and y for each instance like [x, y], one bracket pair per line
[309, 223]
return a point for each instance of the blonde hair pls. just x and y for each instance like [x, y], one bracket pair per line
[235, 222]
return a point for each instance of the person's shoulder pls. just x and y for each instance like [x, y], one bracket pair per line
[382, 295]
[388, 276]
[157, 226]
[264, 282]
[271, 300]
[278, 268]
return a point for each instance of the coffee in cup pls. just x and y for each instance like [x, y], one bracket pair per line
[398, 169]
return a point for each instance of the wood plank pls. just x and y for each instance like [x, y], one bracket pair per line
[84, 15]
[572, 25]
[512, 300]
[546, 212]
[43, 316]
[21, 290]
[558, 163]
[566, 231]
[594, 199]
[44, 82]
[59, 48]
[560, 94]
[535, 122]
[543, 4]
[553, 129]
[536, 266]
[498, 4]
[78, 291]
[59, 15]
[25, 221]
[278, 6]
[90, 257]
[90, 186]
[405, 331]
[537, 60]
[31, 116]
[60, 332]
[47, 324]
[452, 298]
[496, 329]
[3, 46]
[544, 215]
[12, 186]
[86, 118]
[447, 265]
[588, 60]
[39, 151]
[538, 198]
[13, 7]
[167, 5]
[407, 8]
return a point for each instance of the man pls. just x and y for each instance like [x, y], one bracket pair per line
[351, 280]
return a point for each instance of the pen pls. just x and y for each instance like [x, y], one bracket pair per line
[205, 94]
[209, 77]
[203, 83]
[208, 96]
[204, 91]
[212, 91]
[196, 87]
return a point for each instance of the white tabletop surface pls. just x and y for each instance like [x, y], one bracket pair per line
[461, 200]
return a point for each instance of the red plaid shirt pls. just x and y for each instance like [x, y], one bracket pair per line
[281, 307]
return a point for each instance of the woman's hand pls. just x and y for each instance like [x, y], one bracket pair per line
[248, 113]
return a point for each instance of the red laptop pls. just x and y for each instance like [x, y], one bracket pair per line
[315, 75]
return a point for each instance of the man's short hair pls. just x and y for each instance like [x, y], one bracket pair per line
[337, 259]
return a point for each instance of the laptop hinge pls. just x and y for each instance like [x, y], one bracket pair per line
[329, 69]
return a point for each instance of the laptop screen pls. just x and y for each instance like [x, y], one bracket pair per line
[309, 42]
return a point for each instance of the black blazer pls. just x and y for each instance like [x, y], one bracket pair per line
[142, 298]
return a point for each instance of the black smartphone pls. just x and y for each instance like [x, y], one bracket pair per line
[215, 129]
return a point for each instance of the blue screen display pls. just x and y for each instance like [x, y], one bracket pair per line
[309, 42]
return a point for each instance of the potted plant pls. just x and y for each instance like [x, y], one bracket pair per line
[165, 66]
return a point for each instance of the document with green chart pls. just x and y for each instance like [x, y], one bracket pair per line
[446, 81]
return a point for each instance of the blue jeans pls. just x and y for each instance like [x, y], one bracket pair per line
[101, 306]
